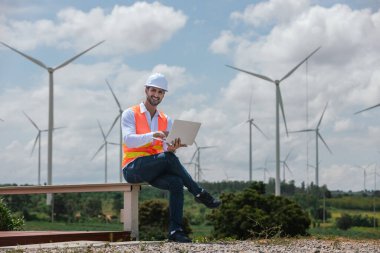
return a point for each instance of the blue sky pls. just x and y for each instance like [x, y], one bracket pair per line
[190, 42]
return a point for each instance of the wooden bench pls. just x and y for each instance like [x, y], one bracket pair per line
[129, 215]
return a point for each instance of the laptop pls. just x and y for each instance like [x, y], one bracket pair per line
[185, 130]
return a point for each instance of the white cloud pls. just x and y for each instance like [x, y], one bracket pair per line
[138, 28]
[341, 125]
[273, 11]
[222, 45]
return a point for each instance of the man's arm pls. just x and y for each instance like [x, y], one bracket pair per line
[128, 127]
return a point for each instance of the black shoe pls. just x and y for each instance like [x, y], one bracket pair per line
[179, 236]
[205, 198]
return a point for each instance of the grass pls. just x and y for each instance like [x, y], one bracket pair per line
[352, 233]
[336, 213]
[201, 230]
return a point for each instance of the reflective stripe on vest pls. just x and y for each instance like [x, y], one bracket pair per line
[142, 127]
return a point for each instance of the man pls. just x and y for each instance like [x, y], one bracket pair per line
[147, 158]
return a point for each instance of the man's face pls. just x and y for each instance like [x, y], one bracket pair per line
[154, 95]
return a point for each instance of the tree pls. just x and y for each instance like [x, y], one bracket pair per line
[248, 214]
[8, 221]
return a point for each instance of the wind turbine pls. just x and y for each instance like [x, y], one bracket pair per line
[197, 154]
[51, 102]
[286, 167]
[364, 168]
[317, 136]
[228, 178]
[118, 117]
[251, 123]
[265, 170]
[279, 104]
[366, 109]
[195, 167]
[1, 120]
[38, 138]
[104, 145]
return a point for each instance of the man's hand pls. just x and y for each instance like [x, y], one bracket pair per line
[160, 134]
[174, 145]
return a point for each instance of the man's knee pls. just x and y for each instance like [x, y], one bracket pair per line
[176, 184]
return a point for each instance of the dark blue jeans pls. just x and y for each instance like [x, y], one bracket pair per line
[164, 171]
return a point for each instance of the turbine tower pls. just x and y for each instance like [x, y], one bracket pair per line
[51, 102]
[279, 104]
[251, 123]
[317, 136]
[118, 117]
[104, 145]
[38, 138]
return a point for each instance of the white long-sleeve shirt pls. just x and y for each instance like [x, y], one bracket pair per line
[128, 126]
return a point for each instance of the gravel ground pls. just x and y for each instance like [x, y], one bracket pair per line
[274, 245]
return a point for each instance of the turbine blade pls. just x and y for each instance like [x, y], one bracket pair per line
[206, 147]
[250, 73]
[301, 131]
[101, 129]
[114, 96]
[369, 108]
[287, 156]
[39, 63]
[2, 120]
[287, 167]
[57, 128]
[320, 120]
[296, 67]
[100, 148]
[31, 121]
[77, 56]
[282, 110]
[35, 142]
[113, 124]
[257, 127]
[320, 136]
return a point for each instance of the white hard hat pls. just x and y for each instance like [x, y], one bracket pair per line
[157, 80]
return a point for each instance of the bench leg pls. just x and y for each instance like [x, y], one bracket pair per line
[131, 211]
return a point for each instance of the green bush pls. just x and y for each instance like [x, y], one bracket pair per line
[8, 221]
[344, 222]
[154, 220]
[347, 221]
[249, 214]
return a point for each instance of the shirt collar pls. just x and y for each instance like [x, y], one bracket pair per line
[143, 110]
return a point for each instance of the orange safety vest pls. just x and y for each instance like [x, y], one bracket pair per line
[142, 127]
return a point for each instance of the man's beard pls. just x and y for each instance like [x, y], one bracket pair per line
[153, 102]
